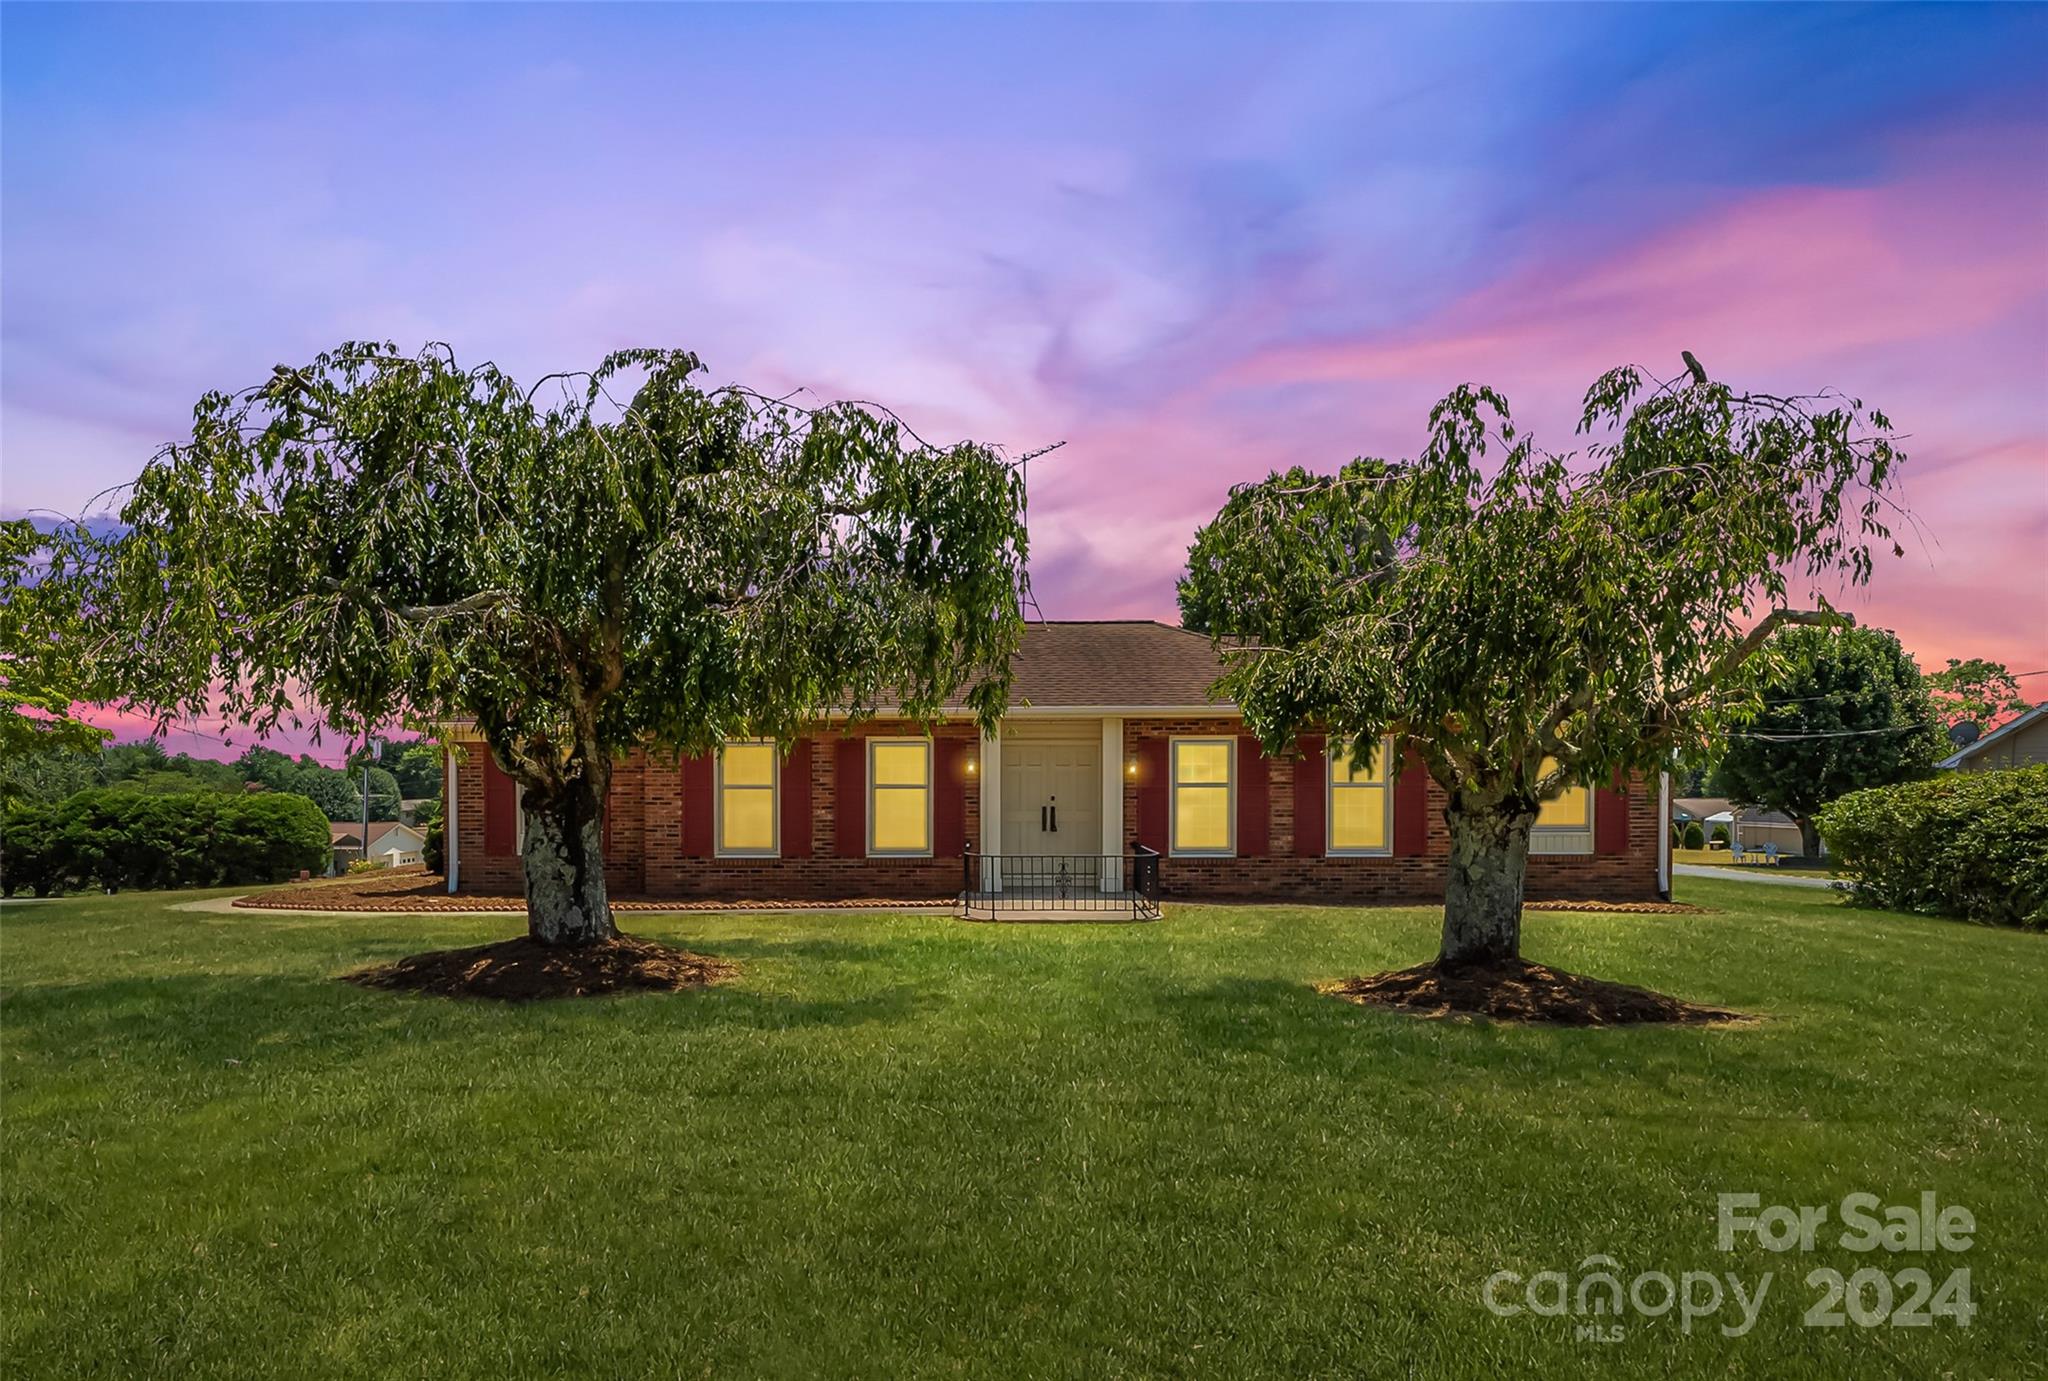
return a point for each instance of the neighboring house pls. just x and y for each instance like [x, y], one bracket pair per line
[1753, 828]
[1111, 743]
[1700, 810]
[1748, 826]
[2020, 742]
[391, 843]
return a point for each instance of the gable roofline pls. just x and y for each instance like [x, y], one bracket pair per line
[1964, 754]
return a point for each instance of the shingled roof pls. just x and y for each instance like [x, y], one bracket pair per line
[1113, 664]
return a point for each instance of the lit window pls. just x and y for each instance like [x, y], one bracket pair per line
[1572, 810]
[747, 784]
[1360, 803]
[1202, 814]
[899, 796]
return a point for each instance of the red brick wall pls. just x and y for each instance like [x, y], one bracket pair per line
[646, 852]
[1278, 874]
[646, 855]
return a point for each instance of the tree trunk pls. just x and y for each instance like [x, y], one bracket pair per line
[1483, 889]
[566, 902]
[1809, 837]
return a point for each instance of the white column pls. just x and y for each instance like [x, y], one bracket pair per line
[991, 844]
[451, 850]
[1664, 835]
[1112, 801]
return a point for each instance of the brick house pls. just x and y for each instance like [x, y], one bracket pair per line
[1112, 743]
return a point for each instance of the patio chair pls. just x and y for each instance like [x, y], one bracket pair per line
[1771, 854]
[1735, 850]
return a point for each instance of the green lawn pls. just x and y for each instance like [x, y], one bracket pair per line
[1721, 858]
[908, 1146]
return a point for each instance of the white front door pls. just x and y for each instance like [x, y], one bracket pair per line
[1052, 809]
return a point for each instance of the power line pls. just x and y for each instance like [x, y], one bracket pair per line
[1838, 733]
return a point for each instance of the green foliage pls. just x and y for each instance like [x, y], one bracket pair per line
[1694, 837]
[1843, 709]
[1493, 606]
[1969, 844]
[165, 782]
[1976, 692]
[416, 766]
[365, 865]
[1720, 835]
[49, 775]
[432, 824]
[577, 577]
[29, 858]
[112, 838]
[634, 560]
[39, 645]
[121, 761]
[332, 790]
[52, 774]
[384, 796]
[268, 766]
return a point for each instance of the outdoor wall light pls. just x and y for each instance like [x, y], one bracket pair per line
[971, 765]
[1130, 767]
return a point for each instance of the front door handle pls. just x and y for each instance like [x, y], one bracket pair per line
[1041, 820]
[1055, 817]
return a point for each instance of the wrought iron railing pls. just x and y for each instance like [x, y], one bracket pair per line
[1023, 885]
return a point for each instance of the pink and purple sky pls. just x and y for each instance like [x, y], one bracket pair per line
[1194, 244]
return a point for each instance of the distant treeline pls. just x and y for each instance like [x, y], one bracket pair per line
[401, 771]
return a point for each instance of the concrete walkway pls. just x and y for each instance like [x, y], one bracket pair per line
[226, 906]
[1762, 875]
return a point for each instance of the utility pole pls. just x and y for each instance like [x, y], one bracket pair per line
[368, 751]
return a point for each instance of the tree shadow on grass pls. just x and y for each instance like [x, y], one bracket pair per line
[1289, 1022]
[816, 948]
[217, 1021]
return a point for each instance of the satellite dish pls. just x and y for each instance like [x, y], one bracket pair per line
[1964, 734]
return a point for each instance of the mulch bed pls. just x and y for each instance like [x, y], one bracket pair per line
[523, 970]
[1627, 908]
[414, 889]
[1523, 992]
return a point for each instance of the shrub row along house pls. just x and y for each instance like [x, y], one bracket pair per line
[1112, 745]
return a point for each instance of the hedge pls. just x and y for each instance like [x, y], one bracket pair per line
[1969, 844]
[112, 839]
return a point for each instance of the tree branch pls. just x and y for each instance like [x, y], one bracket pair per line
[423, 613]
[1741, 652]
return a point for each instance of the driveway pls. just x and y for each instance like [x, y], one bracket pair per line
[1762, 875]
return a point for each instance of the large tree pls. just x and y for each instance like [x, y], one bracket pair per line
[39, 677]
[1843, 709]
[632, 560]
[1525, 621]
[1976, 692]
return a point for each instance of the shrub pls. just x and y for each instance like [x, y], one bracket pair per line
[1695, 837]
[1720, 836]
[1969, 844]
[114, 838]
[26, 855]
[365, 865]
